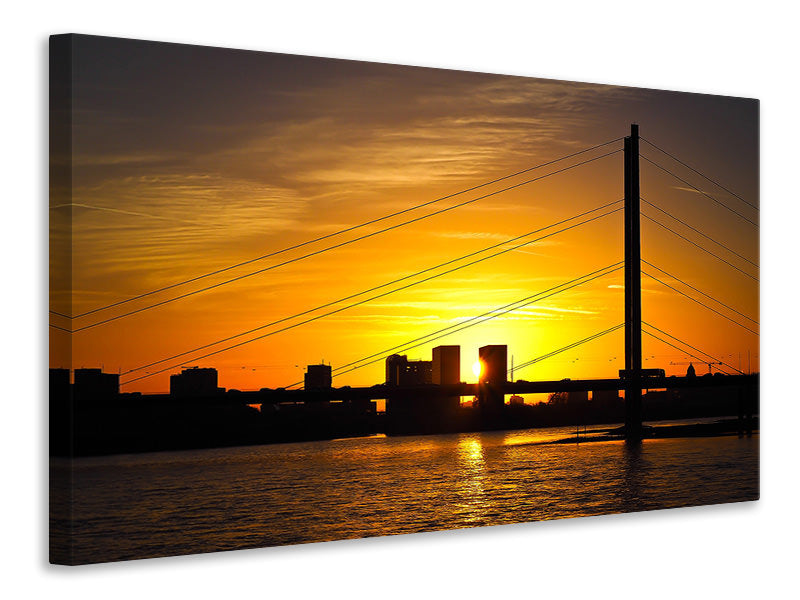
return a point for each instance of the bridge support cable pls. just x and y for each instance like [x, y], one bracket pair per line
[702, 360]
[355, 304]
[700, 303]
[676, 278]
[709, 238]
[697, 189]
[472, 321]
[359, 226]
[568, 347]
[716, 183]
[448, 262]
[730, 264]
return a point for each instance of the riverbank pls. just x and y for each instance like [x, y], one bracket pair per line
[722, 427]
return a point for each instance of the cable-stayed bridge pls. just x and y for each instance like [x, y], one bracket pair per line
[633, 378]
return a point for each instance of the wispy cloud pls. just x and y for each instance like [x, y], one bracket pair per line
[473, 235]
[579, 311]
[686, 189]
[645, 289]
[125, 212]
[110, 159]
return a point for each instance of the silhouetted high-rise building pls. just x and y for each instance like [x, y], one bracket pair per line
[446, 365]
[446, 370]
[493, 376]
[495, 363]
[394, 364]
[318, 377]
[93, 384]
[194, 381]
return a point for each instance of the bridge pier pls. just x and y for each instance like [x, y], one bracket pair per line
[747, 404]
[633, 410]
[490, 404]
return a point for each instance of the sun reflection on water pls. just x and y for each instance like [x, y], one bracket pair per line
[470, 455]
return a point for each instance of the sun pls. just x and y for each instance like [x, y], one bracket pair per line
[477, 368]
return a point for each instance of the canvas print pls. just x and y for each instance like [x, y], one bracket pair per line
[297, 299]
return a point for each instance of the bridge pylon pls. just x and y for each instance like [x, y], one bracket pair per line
[633, 290]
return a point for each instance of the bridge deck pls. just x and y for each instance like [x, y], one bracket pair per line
[381, 391]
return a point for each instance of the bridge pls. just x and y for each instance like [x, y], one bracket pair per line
[743, 384]
[633, 378]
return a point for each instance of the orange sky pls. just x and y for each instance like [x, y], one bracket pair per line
[186, 160]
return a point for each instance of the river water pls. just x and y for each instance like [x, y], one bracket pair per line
[169, 503]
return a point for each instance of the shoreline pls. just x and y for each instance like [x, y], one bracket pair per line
[720, 428]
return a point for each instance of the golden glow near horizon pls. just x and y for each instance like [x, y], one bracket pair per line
[175, 186]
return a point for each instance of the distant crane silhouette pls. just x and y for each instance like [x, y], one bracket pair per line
[702, 362]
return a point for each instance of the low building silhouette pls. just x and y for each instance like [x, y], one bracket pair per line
[425, 410]
[61, 411]
[318, 377]
[59, 385]
[417, 372]
[194, 381]
[93, 384]
[606, 400]
[577, 398]
[695, 401]
[401, 371]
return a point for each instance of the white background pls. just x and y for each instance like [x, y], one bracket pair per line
[740, 49]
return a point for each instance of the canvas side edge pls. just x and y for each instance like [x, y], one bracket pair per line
[60, 213]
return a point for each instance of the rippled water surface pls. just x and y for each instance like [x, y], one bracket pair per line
[160, 504]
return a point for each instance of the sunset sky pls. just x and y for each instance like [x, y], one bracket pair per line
[187, 160]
